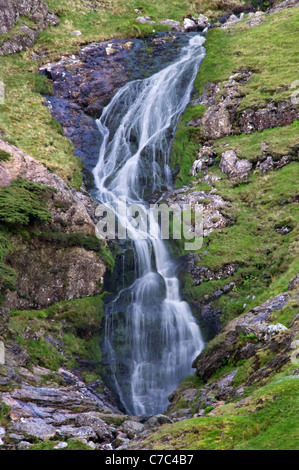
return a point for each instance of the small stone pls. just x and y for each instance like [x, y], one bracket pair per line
[145, 20]
[76, 33]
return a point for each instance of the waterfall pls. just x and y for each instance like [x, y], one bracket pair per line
[151, 336]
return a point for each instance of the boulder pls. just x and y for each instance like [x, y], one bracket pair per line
[72, 432]
[145, 20]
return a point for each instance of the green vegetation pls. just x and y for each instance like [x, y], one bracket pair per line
[4, 156]
[73, 444]
[21, 205]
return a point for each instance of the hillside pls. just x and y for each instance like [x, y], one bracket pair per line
[235, 151]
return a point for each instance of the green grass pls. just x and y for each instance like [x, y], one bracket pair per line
[24, 119]
[260, 49]
[268, 422]
[280, 141]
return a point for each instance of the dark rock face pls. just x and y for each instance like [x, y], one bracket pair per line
[12, 11]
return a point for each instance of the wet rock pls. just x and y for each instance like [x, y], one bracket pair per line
[202, 22]
[132, 428]
[235, 168]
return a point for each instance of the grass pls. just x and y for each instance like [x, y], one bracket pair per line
[261, 50]
[75, 327]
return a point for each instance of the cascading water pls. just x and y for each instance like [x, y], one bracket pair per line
[151, 336]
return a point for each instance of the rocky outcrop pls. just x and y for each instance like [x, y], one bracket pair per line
[218, 119]
[22, 37]
[48, 273]
[84, 84]
[211, 204]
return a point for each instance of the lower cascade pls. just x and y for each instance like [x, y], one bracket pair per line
[151, 336]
